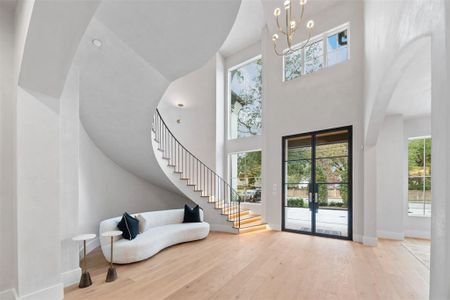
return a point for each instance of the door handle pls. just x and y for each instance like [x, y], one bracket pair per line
[310, 197]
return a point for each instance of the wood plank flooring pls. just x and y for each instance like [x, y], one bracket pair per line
[265, 265]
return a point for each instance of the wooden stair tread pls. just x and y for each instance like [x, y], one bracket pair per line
[252, 224]
[249, 218]
[254, 228]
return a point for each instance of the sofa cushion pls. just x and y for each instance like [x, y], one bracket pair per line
[129, 226]
[191, 215]
[142, 223]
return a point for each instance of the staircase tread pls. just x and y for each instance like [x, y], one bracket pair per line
[252, 224]
[249, 216]
[258, 227]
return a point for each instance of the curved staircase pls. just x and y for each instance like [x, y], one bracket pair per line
[222, 204]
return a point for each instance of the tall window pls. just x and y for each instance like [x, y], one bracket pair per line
[419, 177]
[246, 175]
[317, 54]
[245, 94]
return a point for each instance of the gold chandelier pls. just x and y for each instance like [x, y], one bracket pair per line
[290, 27]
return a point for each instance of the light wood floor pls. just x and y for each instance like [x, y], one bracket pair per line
[266, 265]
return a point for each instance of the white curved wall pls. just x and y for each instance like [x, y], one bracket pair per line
[107, 190]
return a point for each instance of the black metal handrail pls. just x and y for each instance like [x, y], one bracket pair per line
[200, 176]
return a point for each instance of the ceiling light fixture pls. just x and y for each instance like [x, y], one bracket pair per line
[97, 43]
[180, 105]
[291, 26]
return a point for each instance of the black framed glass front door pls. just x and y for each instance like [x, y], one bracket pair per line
[317, 183]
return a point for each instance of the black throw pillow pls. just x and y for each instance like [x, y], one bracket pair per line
[191, 215]
[129, 226]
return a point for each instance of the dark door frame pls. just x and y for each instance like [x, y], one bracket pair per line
[350, 182]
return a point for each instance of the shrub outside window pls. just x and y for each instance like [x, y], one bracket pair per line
[419, 177]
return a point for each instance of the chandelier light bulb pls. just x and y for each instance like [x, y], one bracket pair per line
[293, 24]
[303, 2]
[287, 4]
[277, 12]
[310, 24]
[275, 37]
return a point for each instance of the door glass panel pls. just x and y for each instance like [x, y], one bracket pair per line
[332, 212]
[332, 170]
[299, 148]
[297, 177]
[320, 161]
[297, 212]
[298, 171]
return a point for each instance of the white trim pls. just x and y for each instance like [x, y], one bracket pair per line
[357, 238]
[71, 277]
[91, 245]
[275, 227]
[370, 241]
[391, 235]
[418, 234]
[55, 292]
[9, 294]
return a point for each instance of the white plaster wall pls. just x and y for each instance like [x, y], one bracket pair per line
[38, 222]
[329, 98]
[197, 130]
[107, 190]
[419, 227]
[390, 179]
[8, 256]
[69, 120]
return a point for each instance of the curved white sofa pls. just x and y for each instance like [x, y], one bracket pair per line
[164, 228]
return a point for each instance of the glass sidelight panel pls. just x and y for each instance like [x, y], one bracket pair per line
[317, 183]
[298, 214]
[297, 178]
[332, 211]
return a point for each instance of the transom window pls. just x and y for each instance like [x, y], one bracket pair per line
[245, 99]
[318, 54]
[245, 170]
[419, 176]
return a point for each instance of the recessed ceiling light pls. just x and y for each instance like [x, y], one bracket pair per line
[180, 105]
[97, 43]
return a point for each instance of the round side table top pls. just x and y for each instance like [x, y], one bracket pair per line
[84, 237]
[111, 233]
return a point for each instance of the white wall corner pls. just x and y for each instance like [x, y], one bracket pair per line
[370, 241]
[55, 292]
[9, 294]
[274, 226]
[391, 235]
[71, 277]
[357, 238]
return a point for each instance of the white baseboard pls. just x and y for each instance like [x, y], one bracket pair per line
[71, 277]
[55, 292]
[276, 227]
[370, 241]
[420, 234]
[8, 295]
[357, 238]
[91, 245]
[223, 228]
[392, 235]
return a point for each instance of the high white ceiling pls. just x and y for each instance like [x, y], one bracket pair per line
[412, 96]
[171, 35]
[246, 29]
